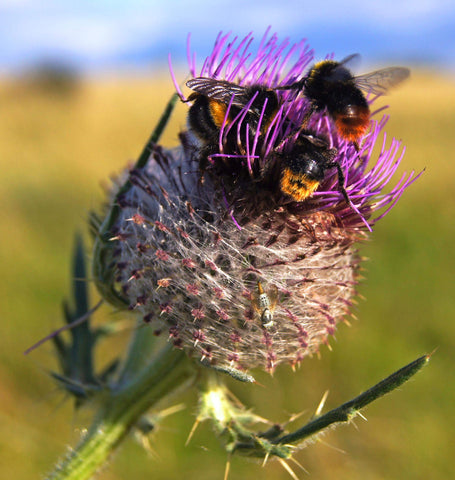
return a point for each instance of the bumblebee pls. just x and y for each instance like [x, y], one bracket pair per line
[265, 304]
[211, 100]
[330, 85]
[305, 167]
[302, 169]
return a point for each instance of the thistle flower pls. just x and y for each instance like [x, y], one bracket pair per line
[218, 246]
[211, 252]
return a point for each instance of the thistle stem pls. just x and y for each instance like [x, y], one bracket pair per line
[348, 410]
[103, 273]
[120, 410]
[142, 349]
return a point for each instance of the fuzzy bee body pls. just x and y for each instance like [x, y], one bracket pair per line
[305, 167]
[216, 103]
[330, 85]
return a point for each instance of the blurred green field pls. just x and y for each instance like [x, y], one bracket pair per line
[56, 149]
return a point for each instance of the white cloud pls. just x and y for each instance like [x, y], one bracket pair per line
[96, 30]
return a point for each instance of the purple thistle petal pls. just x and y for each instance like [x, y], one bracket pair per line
[191, 59]
[277, 63]
[174, 81]
[235, 62]
[226, 203]
[223, 126]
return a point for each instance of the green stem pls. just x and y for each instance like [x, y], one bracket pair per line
[142, 348]
[104, 273]
[348, 410]
[120, 411]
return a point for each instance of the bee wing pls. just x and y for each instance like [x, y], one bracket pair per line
[219, 90]
[380, 81]
[314, 140]
[255, 303]
[273, 296]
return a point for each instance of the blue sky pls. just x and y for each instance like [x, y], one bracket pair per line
[99, 35]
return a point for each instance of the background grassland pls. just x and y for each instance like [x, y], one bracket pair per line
[56, 149]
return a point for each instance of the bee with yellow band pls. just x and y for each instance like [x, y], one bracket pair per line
[211, 98]
[305, 167]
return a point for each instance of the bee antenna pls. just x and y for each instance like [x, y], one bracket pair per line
[293, 86]
[341, 182]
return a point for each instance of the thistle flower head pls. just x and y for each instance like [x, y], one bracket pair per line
[210, 248]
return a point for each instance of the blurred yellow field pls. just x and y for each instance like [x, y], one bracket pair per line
[58, 148]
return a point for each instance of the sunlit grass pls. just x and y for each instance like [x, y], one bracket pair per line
[56, 150]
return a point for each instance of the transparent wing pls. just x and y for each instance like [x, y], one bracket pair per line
[220, 90]
[380, 81]
[255, 303]
[314, 140]
[273, 296]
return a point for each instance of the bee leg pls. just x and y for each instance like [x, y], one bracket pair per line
[297, 86]
[341, 187]
[307, 116]
[341, 182]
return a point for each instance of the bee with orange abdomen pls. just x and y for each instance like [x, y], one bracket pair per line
[330, 85]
